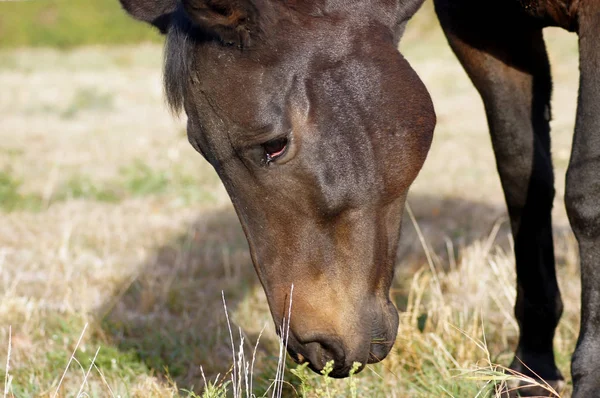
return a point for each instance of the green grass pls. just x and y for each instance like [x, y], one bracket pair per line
[136, 180]
[141, 180]
[68, 23]
[59, 334]
[83, 187]
[119, 368]
[11, 197]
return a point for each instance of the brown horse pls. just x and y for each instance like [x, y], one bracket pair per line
[317, 126]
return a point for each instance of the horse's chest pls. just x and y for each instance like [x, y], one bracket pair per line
[560, 13]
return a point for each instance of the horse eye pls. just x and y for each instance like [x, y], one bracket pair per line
[275, 148]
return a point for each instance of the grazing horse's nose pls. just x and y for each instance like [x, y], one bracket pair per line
[320, 351]
[363, 340]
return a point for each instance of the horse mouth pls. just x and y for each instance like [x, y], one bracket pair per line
[379, 349]
[322, 359]
[296, 356]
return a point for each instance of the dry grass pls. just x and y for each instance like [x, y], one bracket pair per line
[129, 232]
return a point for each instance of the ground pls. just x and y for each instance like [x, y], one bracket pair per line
[116, 236]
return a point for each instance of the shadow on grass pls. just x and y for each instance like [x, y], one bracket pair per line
[172, 315]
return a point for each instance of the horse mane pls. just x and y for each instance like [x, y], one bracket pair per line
[178, 58]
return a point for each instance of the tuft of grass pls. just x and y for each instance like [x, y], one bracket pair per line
[141, 180]
[136, 180]
[82, 187]
[11, 198]
[75, 358]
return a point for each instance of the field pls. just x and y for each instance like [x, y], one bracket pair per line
[117, 241]
[65, 23]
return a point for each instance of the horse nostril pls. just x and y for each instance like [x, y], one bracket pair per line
[332, 350]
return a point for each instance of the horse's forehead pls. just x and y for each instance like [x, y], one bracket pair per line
[255, 88]
[250, 99]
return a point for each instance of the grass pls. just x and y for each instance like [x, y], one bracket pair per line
[111, 220]
[82, 187]
[87, 99]
[64, 24]
[135, 180]
[450, 355]
[12, 199]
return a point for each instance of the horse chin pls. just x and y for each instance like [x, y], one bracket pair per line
[383, 338]
[379, 351]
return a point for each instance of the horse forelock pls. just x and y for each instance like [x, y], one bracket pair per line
[178, 60]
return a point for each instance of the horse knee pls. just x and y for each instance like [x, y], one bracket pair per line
[581, 199]
[585, 366]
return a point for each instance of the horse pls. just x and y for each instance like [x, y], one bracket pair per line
[317, 126]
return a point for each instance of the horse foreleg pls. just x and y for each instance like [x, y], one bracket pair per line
[583, 202]
[506, 59]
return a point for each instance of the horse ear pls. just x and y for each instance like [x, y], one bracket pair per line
[234, 22]
[155, 12]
